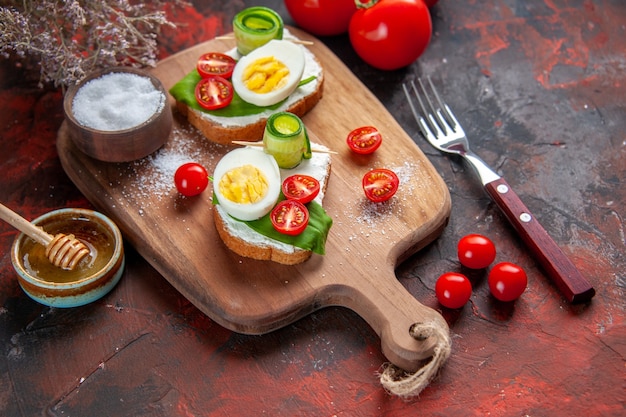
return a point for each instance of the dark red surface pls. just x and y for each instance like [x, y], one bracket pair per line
[540, 88]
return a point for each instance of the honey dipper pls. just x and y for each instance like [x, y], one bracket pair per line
[64, 251]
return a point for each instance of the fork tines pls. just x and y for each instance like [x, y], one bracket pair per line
[435, 118]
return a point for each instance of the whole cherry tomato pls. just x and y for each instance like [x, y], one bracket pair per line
[380, 184]
[507, 281]
[301, 188]
[322, 17]
[191, 179]
[290, 217]
[390, 34]
[453, 290]
[364, 140]
[476, 251]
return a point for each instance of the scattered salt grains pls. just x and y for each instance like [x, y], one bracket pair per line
[152, 178]
[117, 101]
[372, 214]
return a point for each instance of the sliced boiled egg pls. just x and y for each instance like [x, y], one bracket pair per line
[246, 182]
[270, 73]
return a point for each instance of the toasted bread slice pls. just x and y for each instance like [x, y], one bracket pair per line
[244, 241]
[224, 130]
[250, 248]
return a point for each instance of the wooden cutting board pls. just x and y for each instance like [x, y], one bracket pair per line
[177, 235]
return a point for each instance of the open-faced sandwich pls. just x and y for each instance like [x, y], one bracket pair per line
[267, 201]
[266, 212]
[230, 95]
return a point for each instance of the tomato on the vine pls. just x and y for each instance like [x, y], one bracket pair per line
[322, 17]
[364, 140]
[476, 251]
[453, 290]
[507, 281]
[215, 63]
[301, 188]
[191, 179]
[390, 34]
[380, 184]
[214, 92]
[290, 217]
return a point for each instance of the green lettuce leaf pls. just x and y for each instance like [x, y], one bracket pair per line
[313, 238]
[185, 92]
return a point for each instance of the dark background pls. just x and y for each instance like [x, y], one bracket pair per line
[540, 89]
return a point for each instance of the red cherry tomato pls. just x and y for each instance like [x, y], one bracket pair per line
[507, 281]
[214, 92]
[430, 3]
[391, 34]
[380, 184]
[364, 140]
[476, 251]
[453, 290]
[289, 217]
[216, 63]
[322, 17]
[301, 188]
[191, 179]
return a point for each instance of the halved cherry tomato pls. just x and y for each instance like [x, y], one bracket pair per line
[380, 184]
[301, 188]
[216, 63]
[364, 140]
[214, 92]
[453, 290]
[191, 179]
[507, 281]
[290, 217]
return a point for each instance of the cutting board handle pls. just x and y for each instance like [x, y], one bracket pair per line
[410, 332]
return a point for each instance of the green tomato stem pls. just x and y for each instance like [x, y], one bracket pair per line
[365, 4]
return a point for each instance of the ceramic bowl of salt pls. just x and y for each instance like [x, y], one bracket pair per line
[119, 114]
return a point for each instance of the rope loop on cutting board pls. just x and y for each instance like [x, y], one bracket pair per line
[407, 385]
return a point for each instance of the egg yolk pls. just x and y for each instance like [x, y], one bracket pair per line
[265, 75]
[244, 185]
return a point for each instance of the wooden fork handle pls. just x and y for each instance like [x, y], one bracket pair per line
[555, 263]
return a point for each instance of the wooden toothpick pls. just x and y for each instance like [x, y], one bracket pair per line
[244, 143]
[296, 41]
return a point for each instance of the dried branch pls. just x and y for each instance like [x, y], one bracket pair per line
[66, 40]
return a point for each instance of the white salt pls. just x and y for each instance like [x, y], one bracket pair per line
[116, 101]
[152, 178]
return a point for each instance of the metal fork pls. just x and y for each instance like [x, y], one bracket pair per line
[442, 130]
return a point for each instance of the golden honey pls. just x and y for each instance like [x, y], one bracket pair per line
[92, 234]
